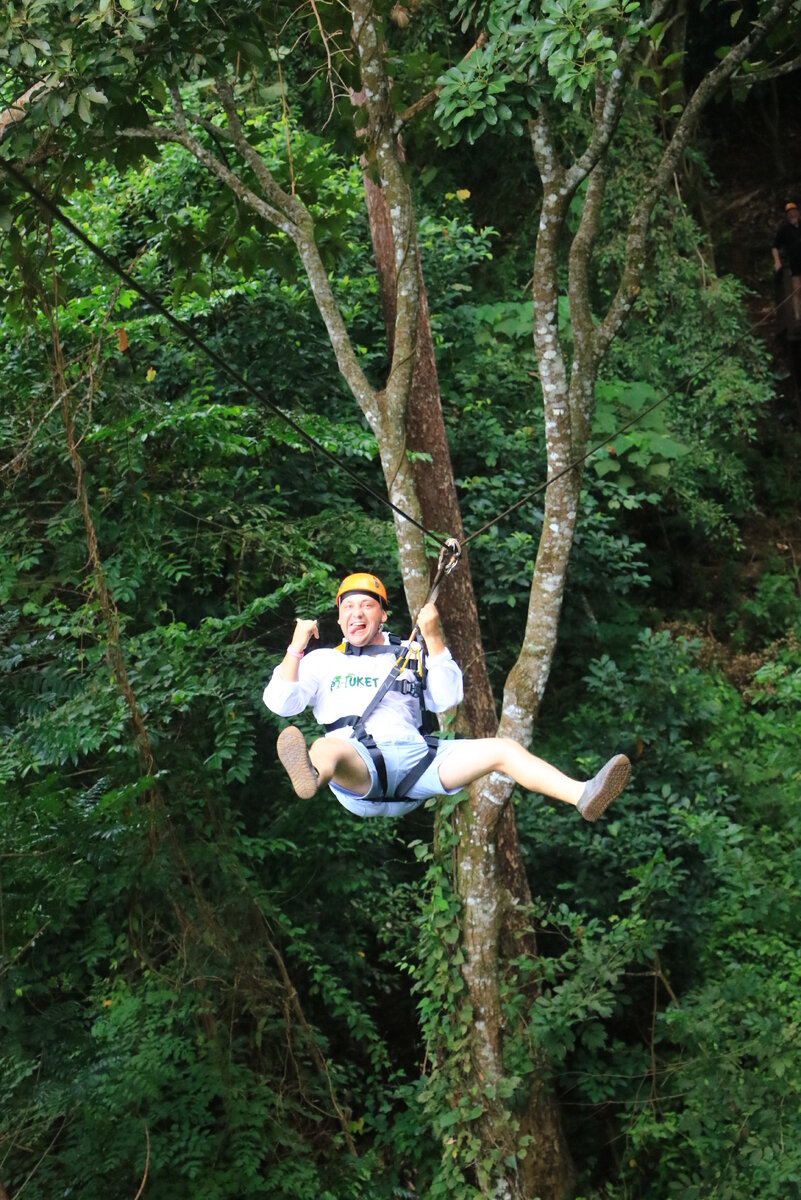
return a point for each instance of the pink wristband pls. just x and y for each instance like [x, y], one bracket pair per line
[295, 653]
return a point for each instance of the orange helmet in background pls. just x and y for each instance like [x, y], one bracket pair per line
[362, 581]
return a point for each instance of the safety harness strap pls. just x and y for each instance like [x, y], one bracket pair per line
[341, 722]
[381, 767]
[410, 778]
[390, 682]
[407, 687]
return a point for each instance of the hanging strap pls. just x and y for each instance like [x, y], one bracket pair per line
[405, 687]
[391, 681]
[406, 784]
[341, 722]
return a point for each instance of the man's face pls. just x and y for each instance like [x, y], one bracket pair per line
[360, 617]
[793, 216]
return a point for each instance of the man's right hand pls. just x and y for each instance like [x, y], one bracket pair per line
[304, 632]
[288, 668]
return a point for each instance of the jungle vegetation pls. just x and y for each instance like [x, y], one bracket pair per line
[462, 248]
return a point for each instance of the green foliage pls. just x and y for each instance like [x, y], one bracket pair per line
[774, 607]
[554, 54]
[648, 445]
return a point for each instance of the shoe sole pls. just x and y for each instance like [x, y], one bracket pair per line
[294, 756]
[618, 773]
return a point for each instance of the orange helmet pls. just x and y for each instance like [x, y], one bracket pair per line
[792, 204]
[369, 585]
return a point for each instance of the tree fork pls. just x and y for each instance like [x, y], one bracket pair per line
[434, 483]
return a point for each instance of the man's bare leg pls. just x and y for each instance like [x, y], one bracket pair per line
[328, 759]
[479, 757]
[335, 759]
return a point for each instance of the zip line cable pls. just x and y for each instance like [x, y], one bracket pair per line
[187, 331]
[600, 446]
[196, 341]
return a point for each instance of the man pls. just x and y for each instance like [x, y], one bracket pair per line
[339, 693]
[787, 247]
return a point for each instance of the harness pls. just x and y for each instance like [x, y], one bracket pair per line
[406, 687]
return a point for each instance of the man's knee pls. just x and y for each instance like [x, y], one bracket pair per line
[506, 747]
[330, 750]
[510, 745]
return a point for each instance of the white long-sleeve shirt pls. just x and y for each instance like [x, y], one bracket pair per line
[338, 685]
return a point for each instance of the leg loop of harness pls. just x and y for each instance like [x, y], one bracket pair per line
[408, 781]
[411, 777]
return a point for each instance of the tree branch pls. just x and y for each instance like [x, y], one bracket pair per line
[403, 274]
[299, 226]
[16, 113]
[762, 76]
[282, 200]
[584, 339]
[147, 1164]
[382, 145]
[160, 133]
[607, 112]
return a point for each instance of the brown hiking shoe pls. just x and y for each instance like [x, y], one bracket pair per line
[601, 790]
[294, 755]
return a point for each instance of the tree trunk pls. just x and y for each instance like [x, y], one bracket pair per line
[434, 483]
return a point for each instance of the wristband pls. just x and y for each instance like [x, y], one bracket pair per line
[298, 654]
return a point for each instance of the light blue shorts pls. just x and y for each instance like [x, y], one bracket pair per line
[399, 758]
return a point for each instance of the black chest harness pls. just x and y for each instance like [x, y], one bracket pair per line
[414, 658]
